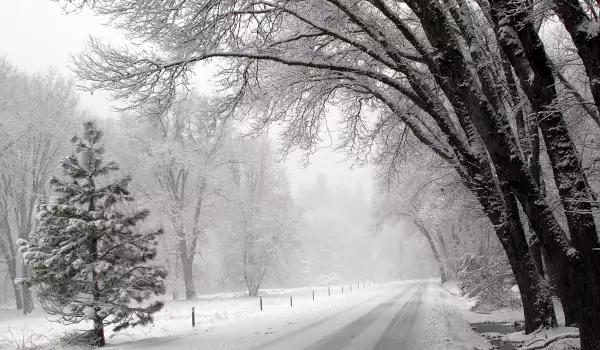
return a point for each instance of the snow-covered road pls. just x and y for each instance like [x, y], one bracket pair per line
[403, 315]
[380, 323]
[387, 319]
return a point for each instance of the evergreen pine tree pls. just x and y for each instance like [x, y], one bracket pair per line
[87, 259]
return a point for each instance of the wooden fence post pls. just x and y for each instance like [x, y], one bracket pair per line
[260, 303]
[193, 317]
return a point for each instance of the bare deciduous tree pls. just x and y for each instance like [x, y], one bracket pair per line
[265, 218]
[42, 108]
[434, 69]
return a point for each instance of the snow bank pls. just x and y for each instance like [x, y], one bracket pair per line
[541, 336]
[445, 327]
[452, 287]
[464, 304]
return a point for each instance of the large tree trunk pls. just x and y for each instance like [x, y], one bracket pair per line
[526, 51]
[535, 295]
[188, 278]
[557, 275]
[481, 114]
[187, 266]
[494, 128]
[535, 247]
[502, 209]
[253, 291]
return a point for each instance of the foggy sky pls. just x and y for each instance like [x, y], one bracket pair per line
[36, 35]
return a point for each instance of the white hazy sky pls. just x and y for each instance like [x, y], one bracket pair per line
[36, 35]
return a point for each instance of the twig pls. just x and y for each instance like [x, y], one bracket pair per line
[549, 341]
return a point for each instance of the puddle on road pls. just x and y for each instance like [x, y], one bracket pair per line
[491, 331]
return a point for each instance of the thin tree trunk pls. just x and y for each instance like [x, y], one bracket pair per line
[98, 338]
[98, 331]
[27, 294]
[11, 263]
[434, 249]
[8, 250]
[12, 272]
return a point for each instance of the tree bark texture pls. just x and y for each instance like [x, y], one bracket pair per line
[525, 49]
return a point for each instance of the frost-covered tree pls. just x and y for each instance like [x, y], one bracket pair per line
[87, 259]
[455, 74]
[183, 153]
[263, 229]
[35, 112]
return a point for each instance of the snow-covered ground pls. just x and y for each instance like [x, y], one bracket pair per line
[211, 312]
[409, 314]
[402, 315]
[447, 325]
[462, 305]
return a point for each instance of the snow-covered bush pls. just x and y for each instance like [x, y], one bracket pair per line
[87, 259]
[488, 280]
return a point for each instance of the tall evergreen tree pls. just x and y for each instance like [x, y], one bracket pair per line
[87, 259]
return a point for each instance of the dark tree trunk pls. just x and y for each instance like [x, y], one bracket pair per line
[187, 266]
[535, 247]
[502, 209]
[474, 107]
[98, 338]
[581, 262]
[557, 275]
[535, 295]
[98, 330]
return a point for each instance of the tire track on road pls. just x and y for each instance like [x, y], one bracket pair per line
[318, 323]
[396, 336]
[344, 335]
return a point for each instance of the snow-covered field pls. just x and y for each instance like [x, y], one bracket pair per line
[211, 312]
[428, 316]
